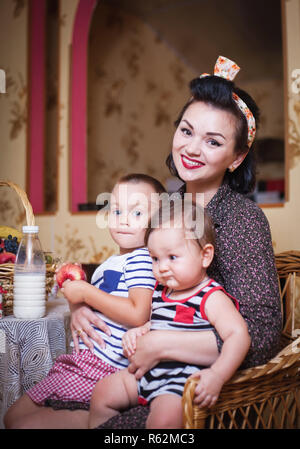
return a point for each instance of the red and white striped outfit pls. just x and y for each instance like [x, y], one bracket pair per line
[186, 314]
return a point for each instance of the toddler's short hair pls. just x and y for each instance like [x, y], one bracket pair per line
[135, 178]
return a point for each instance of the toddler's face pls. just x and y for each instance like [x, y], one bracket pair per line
[177, 261]
[130, 208]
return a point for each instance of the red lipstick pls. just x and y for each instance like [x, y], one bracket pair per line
[191, 164]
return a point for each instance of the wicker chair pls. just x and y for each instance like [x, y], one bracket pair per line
[266, 396]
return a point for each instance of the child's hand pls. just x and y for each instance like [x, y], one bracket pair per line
[208, 389]
[74, 291]
[130, 337]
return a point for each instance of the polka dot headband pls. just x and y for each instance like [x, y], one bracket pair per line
[225, 68]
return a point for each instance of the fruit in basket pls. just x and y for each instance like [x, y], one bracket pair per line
[10, 244]
[69, 271]
[5, 231]
[9, 239]
[7, 257]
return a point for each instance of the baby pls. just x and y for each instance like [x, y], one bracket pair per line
[181, 245]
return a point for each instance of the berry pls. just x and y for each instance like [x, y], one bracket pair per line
[11, 245]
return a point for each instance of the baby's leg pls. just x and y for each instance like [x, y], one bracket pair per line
[165, 412]
[112, 394]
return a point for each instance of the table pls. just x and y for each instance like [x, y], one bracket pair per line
[28, 349]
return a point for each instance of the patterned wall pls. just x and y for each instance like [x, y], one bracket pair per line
[76, 236]
[136, 85]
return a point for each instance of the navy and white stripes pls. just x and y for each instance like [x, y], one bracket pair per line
[116, 276]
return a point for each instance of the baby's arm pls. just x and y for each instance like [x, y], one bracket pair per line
[130, 337]
[233, 330]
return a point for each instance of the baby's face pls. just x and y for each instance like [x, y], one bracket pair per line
[130, 208]
[177, 261]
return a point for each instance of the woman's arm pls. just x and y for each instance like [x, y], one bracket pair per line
[244, 265]
[197, 348]
[131, 311]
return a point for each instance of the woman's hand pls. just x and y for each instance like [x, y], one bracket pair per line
[208, 389]
[82, 319]
[130, 337]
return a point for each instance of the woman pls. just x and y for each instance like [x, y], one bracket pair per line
[212, 154]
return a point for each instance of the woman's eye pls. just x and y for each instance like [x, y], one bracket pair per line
[116, 212]
[186, 131]
[214, 143]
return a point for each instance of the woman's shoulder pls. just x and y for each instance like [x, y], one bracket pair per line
[244, 209]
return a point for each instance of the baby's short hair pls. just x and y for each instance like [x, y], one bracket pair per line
[189, 215]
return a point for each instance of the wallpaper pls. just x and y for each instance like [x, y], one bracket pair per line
[122, 81]
[136, 87]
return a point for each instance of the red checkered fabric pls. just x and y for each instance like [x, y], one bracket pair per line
[72, 378]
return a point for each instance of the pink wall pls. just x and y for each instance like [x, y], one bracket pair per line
[36, 104]
[78, 136]
[36, 107]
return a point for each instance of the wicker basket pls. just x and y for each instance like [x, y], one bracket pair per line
[7, 269]
[263, 397]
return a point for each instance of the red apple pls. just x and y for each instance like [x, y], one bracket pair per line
[69, 271]
[7, 257]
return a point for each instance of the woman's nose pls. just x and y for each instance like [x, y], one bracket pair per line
[194, 147]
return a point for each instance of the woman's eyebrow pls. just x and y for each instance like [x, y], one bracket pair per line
[215, 134]
[208, 133]
[188, 123]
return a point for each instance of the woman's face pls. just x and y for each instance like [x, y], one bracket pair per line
[203, 145]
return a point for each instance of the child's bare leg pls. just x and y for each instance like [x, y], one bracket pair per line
[110, 395]
[165, 412]
[26, 414]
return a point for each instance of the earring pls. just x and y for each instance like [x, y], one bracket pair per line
[231, 169]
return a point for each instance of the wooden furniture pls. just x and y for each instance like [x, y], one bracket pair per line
[266, 396]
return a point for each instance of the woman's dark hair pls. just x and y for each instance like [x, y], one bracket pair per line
[217, 91]
[135, 178]
[192, 218]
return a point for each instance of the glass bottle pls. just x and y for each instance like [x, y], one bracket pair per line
[30, 277]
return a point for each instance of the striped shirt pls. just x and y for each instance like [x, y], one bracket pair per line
[186, 314]
[116, 276]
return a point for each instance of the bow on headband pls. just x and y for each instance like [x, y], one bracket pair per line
[225, 68]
